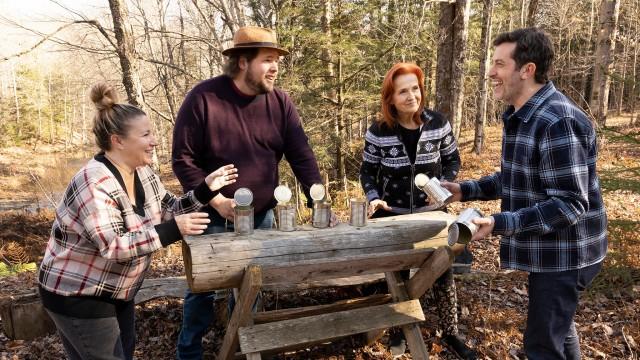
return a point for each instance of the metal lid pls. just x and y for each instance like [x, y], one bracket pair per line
[421, 180]
[317, 192]
[243, 197]
[454, 234]
[282, 194]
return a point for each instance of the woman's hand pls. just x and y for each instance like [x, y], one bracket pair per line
[224, 176]
[377, 204]
[453, 188]
[194, 223]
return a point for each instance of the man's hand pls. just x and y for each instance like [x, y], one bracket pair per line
[224, 206]
[224, 176]
[485, 227]
[377, 204]
[453, 188]
[194, 223]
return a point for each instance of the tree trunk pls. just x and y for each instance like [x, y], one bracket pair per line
[126, 52]
[454, 20]
[17, 103]
[623, 80]
[609, 11]
[481, 111]
[531, 15]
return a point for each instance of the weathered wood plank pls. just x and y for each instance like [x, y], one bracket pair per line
[412, 331]
[241, 315]
[342, 305]
[24, 317]
[318, 269]
[312, 329]
[429, 272]
[155, 288]
[217, 261]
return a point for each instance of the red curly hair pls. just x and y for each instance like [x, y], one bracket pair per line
[389, 113]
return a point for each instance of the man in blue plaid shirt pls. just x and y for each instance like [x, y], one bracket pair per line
[552, 221]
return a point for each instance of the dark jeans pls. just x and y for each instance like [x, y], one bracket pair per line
[198, 309]
[553, 300]
[110, 338]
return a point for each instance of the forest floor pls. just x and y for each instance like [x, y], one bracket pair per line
[492, 302]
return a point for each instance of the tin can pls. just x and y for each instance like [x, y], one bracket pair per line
[358, 212]
[243, 220]
[465, 225]
[286, 217]
[321, 214]
[435, 191]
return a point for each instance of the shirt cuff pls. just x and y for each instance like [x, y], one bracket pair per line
[505, 223]
[168, 232]
[466, 189]
[203, 193]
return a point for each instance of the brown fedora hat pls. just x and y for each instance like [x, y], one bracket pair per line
[254, 37]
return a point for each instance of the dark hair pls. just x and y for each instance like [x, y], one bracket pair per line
[231, 67]
[532, 46]
[111, 118]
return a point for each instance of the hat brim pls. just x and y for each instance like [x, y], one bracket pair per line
[229, 51]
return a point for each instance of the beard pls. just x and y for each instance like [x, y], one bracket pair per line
[259, 86]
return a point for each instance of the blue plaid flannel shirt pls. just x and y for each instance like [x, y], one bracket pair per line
[553, 216]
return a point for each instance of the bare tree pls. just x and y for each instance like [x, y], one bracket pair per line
[609, 12]
[454, 29]
[126, 52]
[485, 41]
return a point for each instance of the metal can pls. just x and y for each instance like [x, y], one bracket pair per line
[465, 225]
[321, 214]
[243, 220]
[358, 212]
[286, 217]
[432, 187]
[243, 212]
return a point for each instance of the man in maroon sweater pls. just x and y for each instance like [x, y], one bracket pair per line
[238, 118]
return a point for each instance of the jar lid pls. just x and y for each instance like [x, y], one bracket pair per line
[282, 194]
[421, 180]
[243, 197]
[317, 192]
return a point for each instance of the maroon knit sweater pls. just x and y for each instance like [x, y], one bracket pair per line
[219, 125]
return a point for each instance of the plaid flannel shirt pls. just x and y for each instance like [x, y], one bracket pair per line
[100, 245]
[553, 216]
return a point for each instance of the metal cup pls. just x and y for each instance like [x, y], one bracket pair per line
[466, 228]
[243, 220]
[358, 212]
[321, 214]
[286, 217]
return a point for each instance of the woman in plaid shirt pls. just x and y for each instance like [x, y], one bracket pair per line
[115, 213]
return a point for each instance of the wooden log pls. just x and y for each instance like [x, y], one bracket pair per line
[241, 315]
[342, 305]
[155, 288]
[324, 327]
[216, 261]
[429, 272]
[24, 317]
[412, 332]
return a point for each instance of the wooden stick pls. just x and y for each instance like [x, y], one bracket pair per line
[241, 316]
[429, 272]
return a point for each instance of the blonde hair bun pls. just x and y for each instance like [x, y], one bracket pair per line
[103, 95]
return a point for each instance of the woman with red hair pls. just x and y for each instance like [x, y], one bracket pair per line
[409, 139]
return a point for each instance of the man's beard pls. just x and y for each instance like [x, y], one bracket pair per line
[260, 87]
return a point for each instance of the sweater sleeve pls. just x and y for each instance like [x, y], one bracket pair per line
[188, 142]
[371, 158]
[487, 188]
[298, 152]
[449, 154]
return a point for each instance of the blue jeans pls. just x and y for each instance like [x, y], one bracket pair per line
[198, 309]
[553, 300]
[110, 338]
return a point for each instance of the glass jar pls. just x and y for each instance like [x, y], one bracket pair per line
[321, 214]
[243, 220]
[286, 217]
